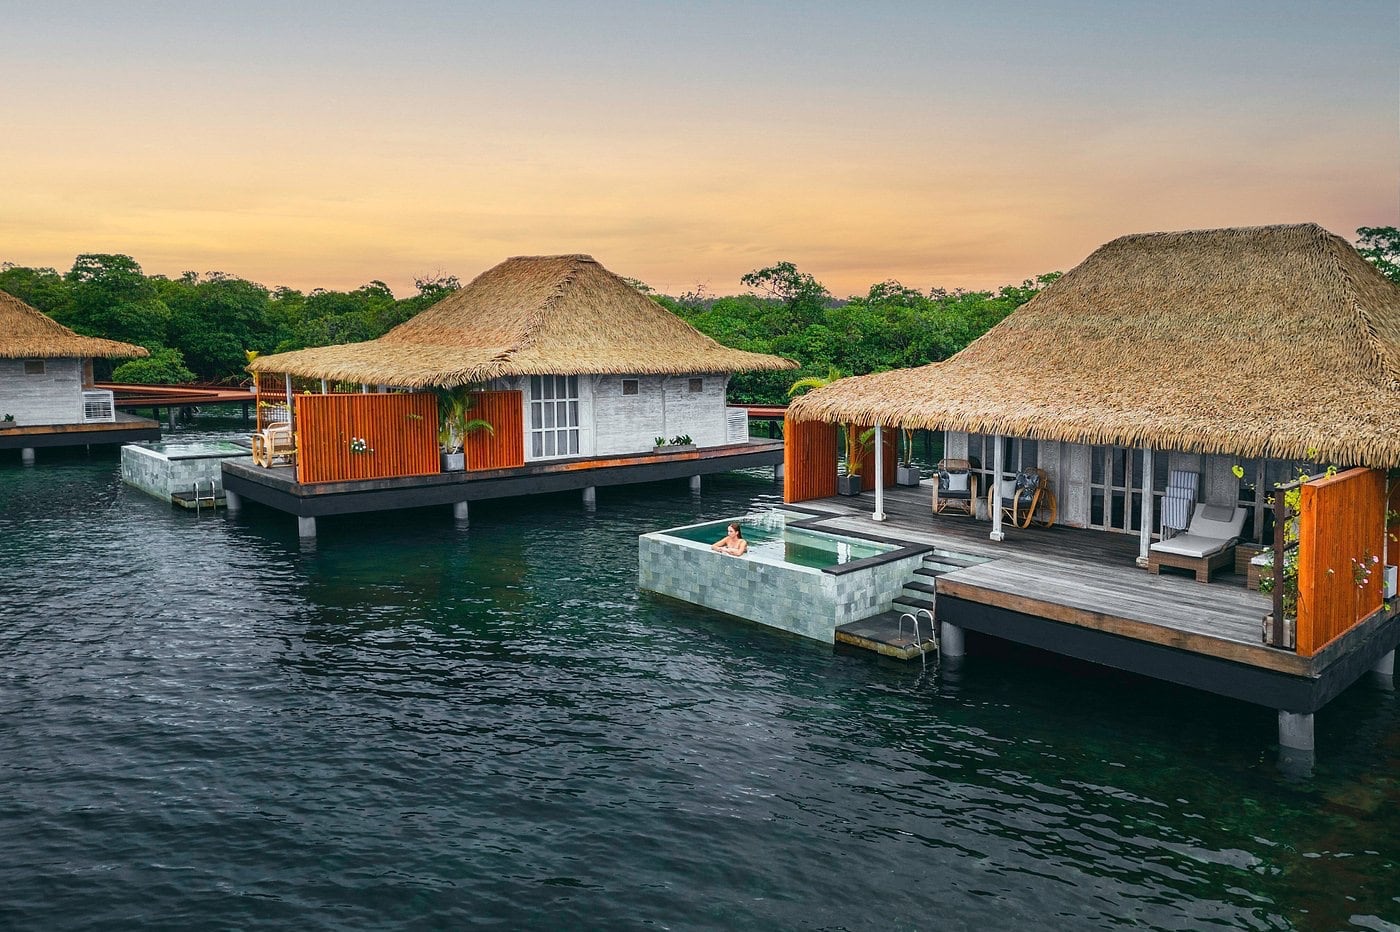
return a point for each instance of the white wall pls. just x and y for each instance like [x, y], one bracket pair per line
[56, 397]
[663, 407]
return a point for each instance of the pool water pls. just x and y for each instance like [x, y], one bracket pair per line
[197, 449]
[773, 539]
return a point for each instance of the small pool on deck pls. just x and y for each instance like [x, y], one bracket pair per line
[795, 577]
[771, 537]
[173, 468]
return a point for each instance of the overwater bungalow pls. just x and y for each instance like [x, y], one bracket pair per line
[47, 396]
[1138, 417]
[552, 373]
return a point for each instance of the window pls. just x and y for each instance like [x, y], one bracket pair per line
[33, 367]
[629, 386]
[554, 415]
[697, 386]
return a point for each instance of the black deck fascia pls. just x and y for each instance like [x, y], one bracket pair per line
[277, 488]
[1366, 645]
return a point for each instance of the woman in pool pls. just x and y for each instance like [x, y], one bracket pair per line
[733, 542]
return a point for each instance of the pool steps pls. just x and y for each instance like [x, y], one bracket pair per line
[888, 632]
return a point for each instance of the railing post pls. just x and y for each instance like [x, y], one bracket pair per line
[1280, 554]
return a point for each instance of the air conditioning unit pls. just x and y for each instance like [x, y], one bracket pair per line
[737, 424]
[98, 407]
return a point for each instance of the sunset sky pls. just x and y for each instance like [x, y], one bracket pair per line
[954, 144]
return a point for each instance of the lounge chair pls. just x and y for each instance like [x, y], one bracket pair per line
[1207, 545]
[275, 442]
[1020, 497]
[955, 488]
[1179, 501]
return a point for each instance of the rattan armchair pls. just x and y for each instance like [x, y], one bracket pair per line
[275, 442]
[1020, 498]
[955, 487]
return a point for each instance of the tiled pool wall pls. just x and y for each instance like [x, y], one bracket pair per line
[161, 476]
[805, 601]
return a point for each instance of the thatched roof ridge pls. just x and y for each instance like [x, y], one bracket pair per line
[1277, 341]
[529, 315]
[30, 334]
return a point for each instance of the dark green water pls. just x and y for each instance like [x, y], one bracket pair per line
[204, 725]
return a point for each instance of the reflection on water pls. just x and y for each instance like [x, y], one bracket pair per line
[414, 725]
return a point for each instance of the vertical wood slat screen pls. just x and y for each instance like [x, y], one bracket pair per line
[504, 446]
[867, 458]
[272, 398]
[1341, 520]
[809, 460]
[400, 429]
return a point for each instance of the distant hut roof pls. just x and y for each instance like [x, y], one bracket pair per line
[27, 333]
[1277, 341]
[530, 315]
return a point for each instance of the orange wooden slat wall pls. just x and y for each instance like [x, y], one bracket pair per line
[1341, 520]
[400, 429]
[809, 460]
[504, 446]
[867, 458]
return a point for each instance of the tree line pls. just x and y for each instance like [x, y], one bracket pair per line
[202, 327]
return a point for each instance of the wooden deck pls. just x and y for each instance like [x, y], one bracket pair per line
[278, 487]
[127, 428]
[1080, 593]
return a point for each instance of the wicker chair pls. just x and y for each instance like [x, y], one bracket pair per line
[955, 488]
[275, 442]
[1021, 497]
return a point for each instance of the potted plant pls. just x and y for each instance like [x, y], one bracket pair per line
[849, 484]
[455, 424]
[907, 473]
[675, 444]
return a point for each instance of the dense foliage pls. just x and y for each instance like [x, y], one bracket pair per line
[201, 327]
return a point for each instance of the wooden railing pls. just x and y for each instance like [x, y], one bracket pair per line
[503, 446]
[1341, 535]
[356, 436]
[809, 460]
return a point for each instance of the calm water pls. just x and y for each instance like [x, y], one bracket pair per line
[204, 725]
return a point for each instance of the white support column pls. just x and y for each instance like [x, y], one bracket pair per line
[287, 381]
[306, 527]
[879, 514]
[232, 501]
[461, 513]
[1145, 516]
[695, 485]
[950, 640]
[1386, 665]
[998, 465]
[1295, 730]
[26, 456]
[364, 389]
[590, 497]
[323, 387]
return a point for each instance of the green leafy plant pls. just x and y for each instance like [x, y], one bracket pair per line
[359, 445]
[659, 441]
[9, 418]
[455, 422]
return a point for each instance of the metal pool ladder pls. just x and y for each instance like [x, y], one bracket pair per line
[914, 620]
[199, 499]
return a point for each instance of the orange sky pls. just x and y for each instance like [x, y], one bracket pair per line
[685, 144]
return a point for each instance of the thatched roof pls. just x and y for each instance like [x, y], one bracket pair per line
[530, 315]
[1273, 341]
[25, 332]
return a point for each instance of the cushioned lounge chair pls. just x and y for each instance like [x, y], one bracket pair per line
[955, 488]
[1207, 545]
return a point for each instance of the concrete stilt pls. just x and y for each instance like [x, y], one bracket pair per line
[26, 456]
[778, 472]
[1295, 730]
[232, 501]
[306, 527]
[461, 513]
[170, 418]
[590, 497]
[695, 485]
[950, 640]
[1386, 665]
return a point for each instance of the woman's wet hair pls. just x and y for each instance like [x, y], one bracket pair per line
[737, 528]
